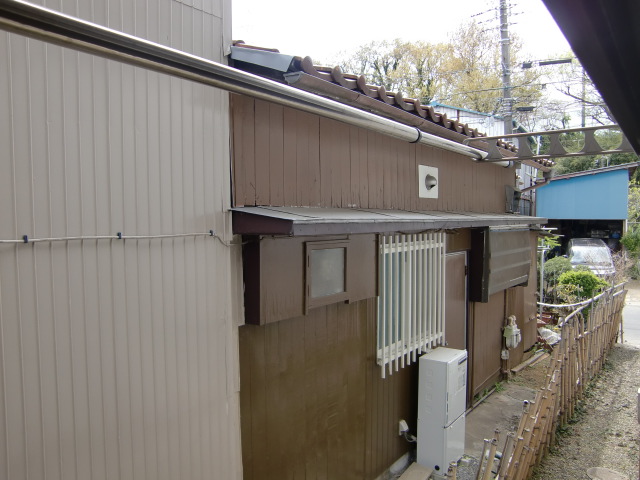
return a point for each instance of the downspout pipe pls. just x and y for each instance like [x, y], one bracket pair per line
[51, 26]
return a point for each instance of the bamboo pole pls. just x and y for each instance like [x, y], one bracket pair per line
[492, 456]
[513, 463]
[580, 355]
[452, 472]
[506, 455]
[485, 450]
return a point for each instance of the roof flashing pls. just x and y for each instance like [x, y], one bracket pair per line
[303, 221]
[263, 58]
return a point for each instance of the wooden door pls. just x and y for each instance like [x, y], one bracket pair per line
[456, 300]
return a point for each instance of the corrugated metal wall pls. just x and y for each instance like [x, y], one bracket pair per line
[118, 358]
[286, 157]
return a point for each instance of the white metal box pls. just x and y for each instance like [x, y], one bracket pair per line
[441, 407]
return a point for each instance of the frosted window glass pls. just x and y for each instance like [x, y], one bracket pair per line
[327, 272]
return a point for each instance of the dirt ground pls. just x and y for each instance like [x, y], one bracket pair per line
[604, 432]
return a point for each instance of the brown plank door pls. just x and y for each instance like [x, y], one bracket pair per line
[456, 300]
[455, 313]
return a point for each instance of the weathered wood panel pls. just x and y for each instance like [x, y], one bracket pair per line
[486, 342]
[336, 165]
[521, 302]
[316, 406]
[118, 358]
[456, 301]
[275, 274]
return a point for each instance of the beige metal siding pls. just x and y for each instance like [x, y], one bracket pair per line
[118, 358]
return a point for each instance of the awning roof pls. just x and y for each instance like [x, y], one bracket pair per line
[604, 34]
[299, 221]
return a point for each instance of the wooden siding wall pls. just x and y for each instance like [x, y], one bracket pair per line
[286, 157]
[486, 341]
[312, 399]
[275, 274]
[118, 358]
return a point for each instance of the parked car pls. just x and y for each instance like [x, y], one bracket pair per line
[592, 253]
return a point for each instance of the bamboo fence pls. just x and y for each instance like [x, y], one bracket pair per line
[587, 335]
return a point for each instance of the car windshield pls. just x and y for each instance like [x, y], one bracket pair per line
[582, 255]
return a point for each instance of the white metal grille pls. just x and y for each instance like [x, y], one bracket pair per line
[411, 301]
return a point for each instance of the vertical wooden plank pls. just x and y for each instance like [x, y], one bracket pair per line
[357, 384]
[276, 152]
[291, 133]
[373, 374]
[312, 399]
[387, 164]
[247, 139]
[401, 186]
[354, 167]
[322, 385]
[411, 201]
[325, 161]
[334, 403]
[289, 372]
[299, 127]
[346, 187]
[372, 172]
[486, 340]
[313, 152]
[259, 433]
[247, 347]
[363, 170]
[340, 191]
[238, 104]
[262, 153]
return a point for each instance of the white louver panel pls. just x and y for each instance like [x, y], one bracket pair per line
[411, 301]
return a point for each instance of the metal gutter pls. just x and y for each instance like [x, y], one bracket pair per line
[41, 23]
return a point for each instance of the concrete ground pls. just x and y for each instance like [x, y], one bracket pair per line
[631, 314]
[501, 410]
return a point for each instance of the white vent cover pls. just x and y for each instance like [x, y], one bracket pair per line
[427, 182]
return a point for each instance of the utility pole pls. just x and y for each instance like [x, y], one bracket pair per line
[584, 97]
[505, 42]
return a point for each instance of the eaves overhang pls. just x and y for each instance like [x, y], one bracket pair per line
[605, 37]
[310, 221]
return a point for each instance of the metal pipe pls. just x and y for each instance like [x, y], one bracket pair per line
[51, 26]
[614, 126]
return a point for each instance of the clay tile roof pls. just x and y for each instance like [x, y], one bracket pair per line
[373, 98]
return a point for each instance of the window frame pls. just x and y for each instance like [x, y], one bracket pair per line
[416, 293]
[313, 302]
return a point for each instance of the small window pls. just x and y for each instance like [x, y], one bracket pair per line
[326, 274]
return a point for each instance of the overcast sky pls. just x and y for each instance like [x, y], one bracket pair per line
[326, 29]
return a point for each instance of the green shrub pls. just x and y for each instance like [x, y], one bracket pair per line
[555, 267]
[582, 284]
[631, 241]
